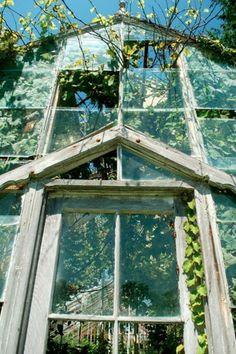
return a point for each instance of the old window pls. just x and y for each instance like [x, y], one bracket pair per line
[112, 275]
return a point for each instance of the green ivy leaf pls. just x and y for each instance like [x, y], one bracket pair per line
[189, 251]
[188, 239]
[191, 282]
[201, 289]
[186, 226]
[180, 349]
[187, 265]
[194, 229]
[191, 204]
[196, 246]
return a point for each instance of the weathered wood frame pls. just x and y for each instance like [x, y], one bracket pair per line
[38, 327]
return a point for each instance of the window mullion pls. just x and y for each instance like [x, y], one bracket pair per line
[116, 283]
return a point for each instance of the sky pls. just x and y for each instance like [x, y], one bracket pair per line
[106, 7]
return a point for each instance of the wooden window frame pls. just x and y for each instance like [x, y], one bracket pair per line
[42, 294]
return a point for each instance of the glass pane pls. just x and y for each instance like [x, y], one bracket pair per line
[149, 283]
[26, 89]
[84, 278]
[9, 219]
[226, 215]
[198, 60]
[220, 142]
[214, 89]
[20, 131]
[104, 167]
[136, 168]
[167, 127]
[143, 338]
[138, 33]
[71, 337]
[95, 50]
[79, 123]
[151, 88]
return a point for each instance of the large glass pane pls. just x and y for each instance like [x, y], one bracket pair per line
[71, 124]
[226, 216]
[84, 278]
[71, 337]
[10, 205]
[167, 127]
[136, 168]
[91, 50]
[26, 89]
[149, 283]
[151, 88]
[219, 136]
[143, 338]
[214, 89]
[20, 131]
[208, 61]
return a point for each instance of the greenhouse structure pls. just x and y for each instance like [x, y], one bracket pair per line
[117, 204]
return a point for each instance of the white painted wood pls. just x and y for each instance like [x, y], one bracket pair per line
[119, 163]
[38, 318]
[116, 300]
[17, 288]
[95, 318]
[220, 331]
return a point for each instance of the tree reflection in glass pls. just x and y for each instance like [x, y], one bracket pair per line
[149, 285]
[84, 279]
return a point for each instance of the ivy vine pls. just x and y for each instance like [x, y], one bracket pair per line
[193, 268]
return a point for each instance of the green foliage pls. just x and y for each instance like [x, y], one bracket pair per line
[193, 268]
[228, 16]
[64, 338]
[99, 88]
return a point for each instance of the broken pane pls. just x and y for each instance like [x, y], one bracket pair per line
[149, 281]
[84, 277]
[88, 90]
